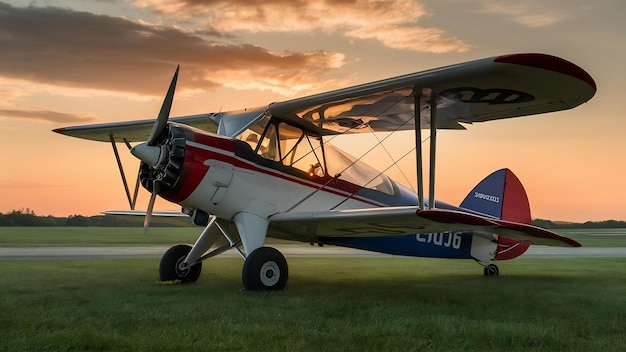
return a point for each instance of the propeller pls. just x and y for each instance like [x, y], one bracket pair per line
[149, 152]
[146, 220]
[164, 114]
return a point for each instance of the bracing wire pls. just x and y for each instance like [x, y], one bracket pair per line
[381, 173]
[380, 142]
[395, 162]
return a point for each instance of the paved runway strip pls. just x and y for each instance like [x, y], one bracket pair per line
[294, 251]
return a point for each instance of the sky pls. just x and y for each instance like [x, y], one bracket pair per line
[66, 62]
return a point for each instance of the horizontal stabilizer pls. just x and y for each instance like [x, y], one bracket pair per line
[509, 229]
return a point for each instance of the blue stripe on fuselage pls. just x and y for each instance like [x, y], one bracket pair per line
[442, 245]
[433, 245]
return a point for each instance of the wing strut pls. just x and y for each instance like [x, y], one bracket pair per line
[433, 149]
[131, 201]
[418, 148]
[417, 101]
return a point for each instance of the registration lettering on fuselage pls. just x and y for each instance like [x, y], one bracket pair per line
[446, 239]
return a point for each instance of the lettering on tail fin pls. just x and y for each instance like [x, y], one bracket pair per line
[500, 195]
[487, 197]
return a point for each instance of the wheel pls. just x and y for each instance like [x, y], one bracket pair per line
[491, 270]
[171, 267]
[265, 269]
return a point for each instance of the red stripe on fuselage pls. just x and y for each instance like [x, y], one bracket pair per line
[224, 143]
[347, 189]
[201, 147]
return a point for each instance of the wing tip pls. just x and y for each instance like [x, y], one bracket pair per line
[548, 62]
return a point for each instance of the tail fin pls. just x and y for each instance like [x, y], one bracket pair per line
[501, 195]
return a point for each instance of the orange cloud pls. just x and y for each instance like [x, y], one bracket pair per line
[392, 23]
[527, 14]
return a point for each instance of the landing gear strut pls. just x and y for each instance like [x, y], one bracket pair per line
[173, 267]
[265, 269]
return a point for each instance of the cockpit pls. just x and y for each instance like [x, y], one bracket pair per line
[307, 155]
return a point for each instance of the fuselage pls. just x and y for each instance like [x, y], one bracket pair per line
[223, 176]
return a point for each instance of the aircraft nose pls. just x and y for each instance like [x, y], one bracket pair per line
[149, 154]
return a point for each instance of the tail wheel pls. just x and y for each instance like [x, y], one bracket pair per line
[265, 269]
[172, 265]
[491, 270]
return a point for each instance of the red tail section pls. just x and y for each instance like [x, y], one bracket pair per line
[509, 248]
[515, 208]
[515, 205]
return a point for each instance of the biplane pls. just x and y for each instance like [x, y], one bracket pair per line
[272, 171]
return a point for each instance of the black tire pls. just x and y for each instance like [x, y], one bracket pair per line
[170, 270]
[491, 270]
[265, 269]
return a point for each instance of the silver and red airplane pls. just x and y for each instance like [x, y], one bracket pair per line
[273, 171]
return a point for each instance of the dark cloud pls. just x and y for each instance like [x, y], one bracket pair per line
[83, 50]
[47, 115]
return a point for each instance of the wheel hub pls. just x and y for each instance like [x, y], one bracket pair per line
[182, 268]
[270, 273]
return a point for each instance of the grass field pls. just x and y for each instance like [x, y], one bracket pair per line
[343, 304]
[330, 304]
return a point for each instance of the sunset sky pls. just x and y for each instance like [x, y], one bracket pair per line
[66, 62]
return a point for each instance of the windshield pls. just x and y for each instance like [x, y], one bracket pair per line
[352, 170]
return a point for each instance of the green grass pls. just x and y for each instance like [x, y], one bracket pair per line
[597, 237]
[342, 304]
[134, 236]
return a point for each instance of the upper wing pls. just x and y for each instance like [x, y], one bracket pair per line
[476, 91]
[482, 90]
[226, 123]
[133, 131]
[394, 221]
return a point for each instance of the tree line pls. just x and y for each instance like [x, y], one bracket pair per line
[606, 224]
[27, 217]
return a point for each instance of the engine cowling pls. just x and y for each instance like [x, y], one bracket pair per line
[162, 177]
[181, 171]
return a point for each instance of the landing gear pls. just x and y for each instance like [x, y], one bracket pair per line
[491, 270]
[172, 265]
[265, 269]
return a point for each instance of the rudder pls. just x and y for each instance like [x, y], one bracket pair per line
[500, 195]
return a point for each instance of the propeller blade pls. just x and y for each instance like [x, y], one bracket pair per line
[161, 122]
[146, 220]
